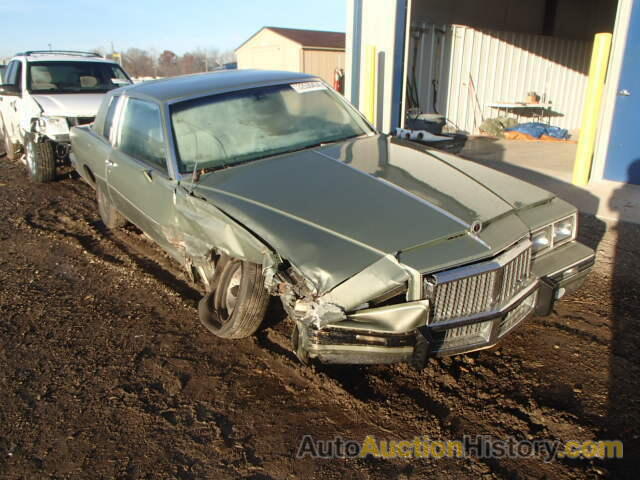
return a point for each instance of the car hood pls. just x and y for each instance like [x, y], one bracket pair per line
[70, 104]
[335, 210]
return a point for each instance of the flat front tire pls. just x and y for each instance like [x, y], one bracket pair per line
[238, 305]
[41, 160]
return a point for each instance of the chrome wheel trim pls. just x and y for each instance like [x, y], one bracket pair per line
[232, 290]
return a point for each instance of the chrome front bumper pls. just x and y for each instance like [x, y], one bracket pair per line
[402, 333]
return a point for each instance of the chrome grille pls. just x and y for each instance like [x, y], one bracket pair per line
[479, 288]
[514, 274]
[464, 297]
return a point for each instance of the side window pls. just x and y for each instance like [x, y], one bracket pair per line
[14, 73]
[141, 133]
[9, 71]
[18, 79]
[111, 112]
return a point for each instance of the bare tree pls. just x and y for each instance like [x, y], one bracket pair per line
[193, 62]
[149, 63]
[168, 64]
[228, 56]
[138, 63]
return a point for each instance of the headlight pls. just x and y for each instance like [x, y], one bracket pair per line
[554, 235]
[53, 125]
[564, 231]
[542, 240]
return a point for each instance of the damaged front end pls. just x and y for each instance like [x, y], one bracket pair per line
[390, 312]
[418, 315]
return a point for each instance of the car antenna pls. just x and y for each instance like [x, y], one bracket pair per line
[195, 177]
[195, 174]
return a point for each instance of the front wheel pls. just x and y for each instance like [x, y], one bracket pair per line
[237, 306]
[41, 160]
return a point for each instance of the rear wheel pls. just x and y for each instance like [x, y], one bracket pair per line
[41, 160]
[237, 306]
[110, 216]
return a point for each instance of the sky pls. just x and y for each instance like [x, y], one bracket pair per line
[178, 25]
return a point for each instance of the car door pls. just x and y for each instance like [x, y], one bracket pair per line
[137, 175]
[10, 102]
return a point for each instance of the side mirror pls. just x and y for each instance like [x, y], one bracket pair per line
[9, 89]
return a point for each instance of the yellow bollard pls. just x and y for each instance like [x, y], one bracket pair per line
[370, 95]
[592, 106]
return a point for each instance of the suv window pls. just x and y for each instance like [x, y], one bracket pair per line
[74, 77]
[108, 121]
[141, 133]
[14, 73]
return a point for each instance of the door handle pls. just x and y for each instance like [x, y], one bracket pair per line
[148, 174]
[109, 163]
[624, 93]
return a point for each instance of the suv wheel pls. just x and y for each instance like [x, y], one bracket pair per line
[41, 160]
[10, 149]
[237, 306]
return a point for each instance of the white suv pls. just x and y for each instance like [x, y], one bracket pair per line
[43, 95]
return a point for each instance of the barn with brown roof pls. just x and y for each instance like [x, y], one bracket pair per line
[309, 51]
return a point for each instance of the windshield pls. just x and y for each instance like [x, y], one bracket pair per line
[74, 77]
[224, 130]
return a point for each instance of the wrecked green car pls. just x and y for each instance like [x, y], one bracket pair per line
[270, 184]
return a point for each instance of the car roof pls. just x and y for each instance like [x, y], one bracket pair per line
[203, 84]
[52, 57]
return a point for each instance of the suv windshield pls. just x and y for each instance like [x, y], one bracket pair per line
[228, 129]
[74, 77]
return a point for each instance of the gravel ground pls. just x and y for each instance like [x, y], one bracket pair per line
[105, 371]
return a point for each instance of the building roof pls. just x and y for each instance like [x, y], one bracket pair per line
[203, 84]
[308, 38]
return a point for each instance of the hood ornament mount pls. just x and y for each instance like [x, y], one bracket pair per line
[476, 227]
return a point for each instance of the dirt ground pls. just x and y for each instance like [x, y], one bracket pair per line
[105, 371]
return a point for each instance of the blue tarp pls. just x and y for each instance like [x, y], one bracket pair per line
[539, 129]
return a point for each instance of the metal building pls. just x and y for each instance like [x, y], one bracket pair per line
[309, 51]
[460, 57]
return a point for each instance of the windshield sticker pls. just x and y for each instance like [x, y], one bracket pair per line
[307, 87]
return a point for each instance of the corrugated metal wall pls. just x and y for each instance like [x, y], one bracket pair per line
[504, 66]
